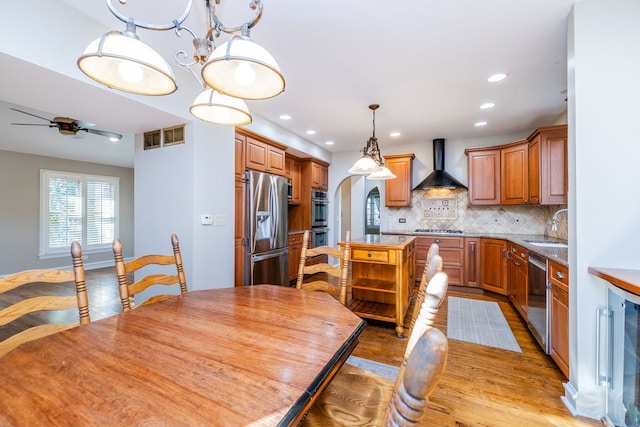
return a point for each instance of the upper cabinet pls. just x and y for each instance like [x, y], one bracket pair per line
[484, 176]
[397, 191]
[264, 157]
[319, 176]
[292, 172]
[514, 174]
[548, 166]
[531, 171]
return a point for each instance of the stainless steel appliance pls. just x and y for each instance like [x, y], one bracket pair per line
[538, 290]
[618, 356]
[319, 209]
[267, 256]
[319, 236]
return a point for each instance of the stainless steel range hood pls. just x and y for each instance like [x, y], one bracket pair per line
[439, 178]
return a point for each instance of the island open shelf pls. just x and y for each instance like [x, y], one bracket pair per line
[382, 270]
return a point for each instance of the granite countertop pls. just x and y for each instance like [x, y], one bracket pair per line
[560, 255]
[390, 240]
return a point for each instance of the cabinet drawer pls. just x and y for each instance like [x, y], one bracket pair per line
[518, 252]
[559, 275]
[443, 242]
[371, 256]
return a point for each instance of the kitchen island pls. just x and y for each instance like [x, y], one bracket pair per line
[382, 277]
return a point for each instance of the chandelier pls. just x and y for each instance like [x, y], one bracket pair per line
[371, 163]
[238, 69]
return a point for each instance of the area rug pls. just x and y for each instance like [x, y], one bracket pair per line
[479, 322]
[382, 369]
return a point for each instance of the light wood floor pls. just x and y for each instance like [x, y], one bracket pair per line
[481, 386]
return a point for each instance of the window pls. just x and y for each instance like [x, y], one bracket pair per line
[77, 207]
[372, 225]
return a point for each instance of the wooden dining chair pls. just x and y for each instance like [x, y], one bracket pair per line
[430, 269]
[49, 298]
[357, 397]
[128, 290]
[366, 399]
[325, 276]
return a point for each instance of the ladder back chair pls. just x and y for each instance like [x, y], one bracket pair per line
[324, 276]
[366, 399]
[128, 290]
[49, 298]
[430, 269]
[358, 397]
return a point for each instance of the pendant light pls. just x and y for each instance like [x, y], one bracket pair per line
[215, 107]
[382, 175]
[371, 160]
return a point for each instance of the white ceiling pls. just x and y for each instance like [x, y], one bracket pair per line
[425, 62]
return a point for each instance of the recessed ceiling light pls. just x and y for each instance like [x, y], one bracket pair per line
[480, 123]
[487, 105]
[497, 77]
[285, 117]
[329, 143]
[311, 132]
[394, 134]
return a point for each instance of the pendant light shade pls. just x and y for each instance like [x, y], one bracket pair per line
[364, 166]
[383, 174]
[215, 107]
[243, 69]
[121, 61]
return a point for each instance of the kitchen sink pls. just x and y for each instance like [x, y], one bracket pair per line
[546, 244]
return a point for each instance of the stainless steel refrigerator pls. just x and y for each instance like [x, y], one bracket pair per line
[266, 213]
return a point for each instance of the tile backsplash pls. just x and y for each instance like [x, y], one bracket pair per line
[449, 209]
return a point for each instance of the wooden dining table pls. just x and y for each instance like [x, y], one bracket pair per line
[247, 356]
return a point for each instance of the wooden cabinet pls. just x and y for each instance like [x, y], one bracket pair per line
[493, 269]
[472, 261]
[451, 251]
[484, 176]
[293, 173]
[514, 174]
[239, 157]
[397, 191]
[295, 251]
[264, 157]
[319, 176]
[548, 166]
[382, 277]
[517, 277]
[558, 276]
[238, 241]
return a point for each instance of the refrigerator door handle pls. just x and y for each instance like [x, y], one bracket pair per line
[268, 255]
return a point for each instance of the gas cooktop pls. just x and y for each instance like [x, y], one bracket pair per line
[433, 230]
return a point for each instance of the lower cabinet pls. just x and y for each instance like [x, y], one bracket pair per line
[451, 251]
[518, 277]
[295, 250]
[558, 276]
[493, 269]
[472, 262]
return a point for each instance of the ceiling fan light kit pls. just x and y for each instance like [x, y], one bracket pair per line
[238, 68]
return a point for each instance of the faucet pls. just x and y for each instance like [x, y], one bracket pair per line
[554, 220]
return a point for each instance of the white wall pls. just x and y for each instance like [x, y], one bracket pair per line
[604, 128]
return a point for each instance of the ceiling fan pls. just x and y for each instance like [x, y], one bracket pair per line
[69, 126]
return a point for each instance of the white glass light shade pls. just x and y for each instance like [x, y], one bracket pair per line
[365, 166]
[381, 175]
[243, 69]
[123, 62]
[215, 107]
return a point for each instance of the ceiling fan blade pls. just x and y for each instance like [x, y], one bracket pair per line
[33, 124]
[103, 133]
[24, 112]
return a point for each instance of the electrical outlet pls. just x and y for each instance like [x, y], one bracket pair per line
[402, 220]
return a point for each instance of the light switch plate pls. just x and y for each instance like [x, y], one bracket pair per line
[206, 219]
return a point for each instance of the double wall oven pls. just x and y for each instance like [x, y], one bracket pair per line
[319, 218]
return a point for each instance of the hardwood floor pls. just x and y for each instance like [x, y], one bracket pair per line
[481, 386]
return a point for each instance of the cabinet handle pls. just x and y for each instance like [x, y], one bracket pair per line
[369, 255]
[516, 263]
[559, 275]
[437, 240]
[522, 255]
[473, 248]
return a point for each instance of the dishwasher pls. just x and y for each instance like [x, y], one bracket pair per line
[538, 294]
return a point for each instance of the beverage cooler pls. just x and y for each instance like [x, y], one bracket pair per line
[617, 357]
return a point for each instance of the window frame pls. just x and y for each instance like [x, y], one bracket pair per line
[45, 251]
